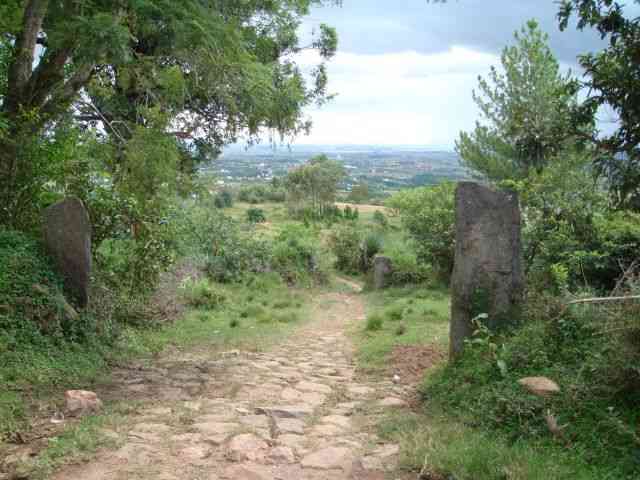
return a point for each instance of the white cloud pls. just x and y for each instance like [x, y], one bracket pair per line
[398, 98]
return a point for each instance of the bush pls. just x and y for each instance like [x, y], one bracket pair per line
[295, 255]
[599, 397]
[256, 215]
[371, 246]
[255, 194]
[406, 268]
[428, 215]
[346, 245]
[201, 294]
[380, 219]
[25, 312]
[223, 199]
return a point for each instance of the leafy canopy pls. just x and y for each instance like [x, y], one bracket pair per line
[613, 77]
[194, 75]
[525, 108]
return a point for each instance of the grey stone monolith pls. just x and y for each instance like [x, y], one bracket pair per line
[67, 235]
[487, 276]
[382, 272]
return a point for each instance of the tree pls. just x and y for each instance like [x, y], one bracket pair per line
[525, 108]
[196, 73]
[613, 80]
[315, 184]
[359, 193]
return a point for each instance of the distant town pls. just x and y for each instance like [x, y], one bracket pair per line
[382, 168]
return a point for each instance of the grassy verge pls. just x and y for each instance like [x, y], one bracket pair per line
[441, 447]
[401, 316]
[248, 315]
[477, 422]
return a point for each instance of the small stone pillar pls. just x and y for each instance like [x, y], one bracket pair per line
[487, 275]
[382, 271]
[67, 236]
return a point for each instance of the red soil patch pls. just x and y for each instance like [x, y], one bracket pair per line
[410, 362]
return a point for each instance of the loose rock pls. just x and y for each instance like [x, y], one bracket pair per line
[81, 402]
[541, 386]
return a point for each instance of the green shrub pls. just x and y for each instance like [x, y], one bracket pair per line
[256, 215]
[407, 269]
[371, 246]
[202, 294]
[223, 199]
[596, 404]
[259, 193]
[231, 253]
[296, 256]
[380, 219]
[21, 307]
[428, 215]
[374, 323]
[395, 312]
[346, 245]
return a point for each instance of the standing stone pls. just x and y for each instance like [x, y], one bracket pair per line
[382, 271]
[67, 232]
[487, 274]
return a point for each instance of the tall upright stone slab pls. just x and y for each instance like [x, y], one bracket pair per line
[487, 275]
[382, 272]
[67, 234]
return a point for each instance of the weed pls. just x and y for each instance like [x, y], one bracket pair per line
[394, 312]
[374, 323]
[202, 294]
[234, 323]
[401, 329]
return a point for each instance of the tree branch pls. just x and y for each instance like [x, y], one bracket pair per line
[22, 65]
[66, 94]
[47, 74]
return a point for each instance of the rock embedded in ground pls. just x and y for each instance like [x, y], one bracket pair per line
[247, 447]
[81, 402]
[337, 420]
[360, 390]
[541, 386]
[328, 458]
[281, 455]
[286, 411]
[289, 425]
[392, 402]
[216, 432]
[313, 387]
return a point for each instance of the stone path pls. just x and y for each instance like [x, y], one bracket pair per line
[294, 412]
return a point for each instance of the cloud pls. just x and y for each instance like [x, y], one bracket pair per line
[405, 69]
[399, 98]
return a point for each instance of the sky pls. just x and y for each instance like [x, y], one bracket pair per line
[405, 69]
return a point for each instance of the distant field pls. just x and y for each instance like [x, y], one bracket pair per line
[364, 208]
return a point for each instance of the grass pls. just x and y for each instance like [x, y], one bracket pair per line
[442, 448]
[251, 317]
[78, 442]
[401, 316]
[477, 422]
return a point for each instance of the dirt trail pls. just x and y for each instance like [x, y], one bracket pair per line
[294, 412]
